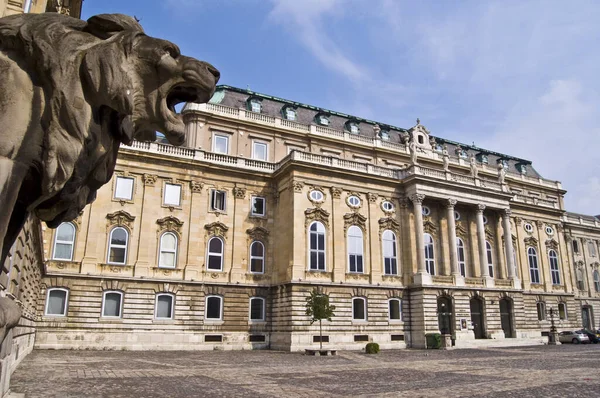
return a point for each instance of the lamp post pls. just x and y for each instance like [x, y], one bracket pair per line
[553, 335]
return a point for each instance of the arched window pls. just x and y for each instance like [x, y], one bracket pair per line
[395, 309]
[214, 308]
[554, 271]
[117, 247]
[163, 307]
[359, 309]
[541, 311]
[429, 254]
[490, 261]
[390, 258]
[562, 311]
[215, 254]
[534, 271]
[257, 309]
[355, 249]
[112, 302]
[596, 281]
[317, 246]
[257, 257]
[460, 255]
[64, 240]
[168, 250]
[56, 302]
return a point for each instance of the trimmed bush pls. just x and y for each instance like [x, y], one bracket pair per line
[372, 348]
[434, 340]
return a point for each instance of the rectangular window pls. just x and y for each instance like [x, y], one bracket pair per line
[259, 150]
[395, 310]
[124, 188]
[221, 144]
[258, 206]
[213, 308]
[172, 195]
[164, 306]
[257, 309]
[111, 307]
[575, 246]
[358, 309]
[56, 303]
[218, 200]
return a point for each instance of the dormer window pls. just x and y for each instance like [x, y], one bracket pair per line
[290, 114]
[522, 168]
[483, 158]
[323, 120]
[463, 154]
[255, 105]
[352, 127]
[504, 163]
[439, 147]
[384, 135]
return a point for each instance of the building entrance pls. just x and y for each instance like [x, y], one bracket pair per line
[506, 318]
[477, 317]
[444, 309]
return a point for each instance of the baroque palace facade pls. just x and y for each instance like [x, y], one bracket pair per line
[216, 245]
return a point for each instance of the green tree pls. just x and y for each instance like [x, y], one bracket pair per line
[318, 308]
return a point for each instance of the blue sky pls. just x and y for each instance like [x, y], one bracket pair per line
[519, 77]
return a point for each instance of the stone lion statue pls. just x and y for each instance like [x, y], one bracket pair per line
[71, 92]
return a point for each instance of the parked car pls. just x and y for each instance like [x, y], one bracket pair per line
[574, 337]
[590, 334]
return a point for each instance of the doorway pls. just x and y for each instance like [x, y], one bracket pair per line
[506, 317]
[586, 318]
[476, 304]
[444, 310]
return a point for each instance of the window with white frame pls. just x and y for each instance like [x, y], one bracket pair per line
[290, 114]
[64, 241]
[218, 200]
[215, 254]
[257, 309]
[460, 255]
[390, 257]
[214, 308]
[172, 196]
[168, 250]
[353, 201]
[490, 259]
[56, 302]
[596, 281]
[221, 144]
[534, 271]
[353, 128]
[592, 248]
[395, 309]
[257, 257]
[317, 246]
[541, 311]
[316, 195]
[255, 106]
[425, 211]
[117, 246]
[384, 135]
[112, 303]
[554, 271]
[323, 120]
[258, 207]
[259, 150]
[359, 309]
[163, 308]
[562, 311]
[429, 254]
[355, 249]
[124, 188]
[386, 205]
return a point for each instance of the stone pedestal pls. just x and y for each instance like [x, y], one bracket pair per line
[553, 338]
[446, 342]
[422, 278]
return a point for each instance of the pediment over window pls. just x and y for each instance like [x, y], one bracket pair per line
[489, 235]
[258, 233]
[461, 231]
[429, 227]
[552, 244]
[216, 229]
[120, 217]
[170, 223]
[317, 214]
[531, 241]
[354, 219]
[388, 223]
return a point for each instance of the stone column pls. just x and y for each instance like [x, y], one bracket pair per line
[422, 276]
[508, 248]
[483, 266]
[459, 280]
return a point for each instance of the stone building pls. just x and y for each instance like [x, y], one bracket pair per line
[67, 7]
[215, 245]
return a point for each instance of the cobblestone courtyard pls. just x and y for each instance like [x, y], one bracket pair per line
[541, 371]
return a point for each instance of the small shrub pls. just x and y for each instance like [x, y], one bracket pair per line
[372, 348]
[434, 340]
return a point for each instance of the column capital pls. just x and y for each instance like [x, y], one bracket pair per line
[507, 212]
[480, 208]
[417, 198]
[450, 203]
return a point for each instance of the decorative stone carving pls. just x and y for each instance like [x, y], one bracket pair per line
[417, 198]
[501, 173]
[217, 228]
[551, 244]
[531, 241]
[540, 224]
[402, 203]
[336, 192]
[196, 186]
[473, 167]
[354, 219]
[480, 208]
[169, 223]
[489, 235]
[317, 214]
[257, 233]
[120, 217]
[429, 227]
[297, 186]
[518, 221]
[372, 197]
[239, 193]
[412, 146]
[149, 179]
[446, 158]
[461, 230]
[71, 92]
[388, 223]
